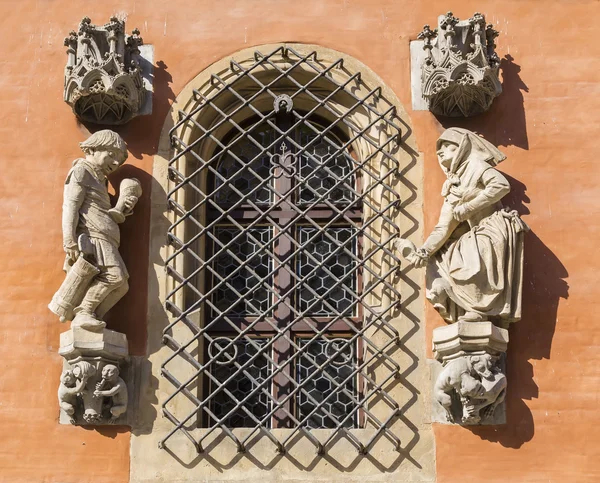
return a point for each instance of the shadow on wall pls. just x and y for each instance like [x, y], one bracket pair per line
[531, 337]
[504, 124]
[142, 133]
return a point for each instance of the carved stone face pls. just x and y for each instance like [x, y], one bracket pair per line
[447, 153]
[471, 387]
[110, 372]
[483, 366]
[67, 378]
[106, 160]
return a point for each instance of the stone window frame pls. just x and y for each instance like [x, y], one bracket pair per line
[410, 350]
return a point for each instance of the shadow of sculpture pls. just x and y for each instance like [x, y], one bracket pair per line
[129, 314]
[544, 285]
[504, 124]
[142, 133]
[145, 411]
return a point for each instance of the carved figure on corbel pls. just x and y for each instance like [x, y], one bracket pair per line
[70, 387]
[474, 260]
[96, 274]
[478, 383]
[88, 398]
[474, 255]
[113, 388]
[91, 390]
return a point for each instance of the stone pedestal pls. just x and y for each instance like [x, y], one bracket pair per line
[461, 338]
[91, 390]
[469, 381]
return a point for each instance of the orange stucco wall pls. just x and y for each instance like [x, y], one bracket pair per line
[547, 121]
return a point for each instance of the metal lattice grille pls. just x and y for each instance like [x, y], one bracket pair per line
[283, 205]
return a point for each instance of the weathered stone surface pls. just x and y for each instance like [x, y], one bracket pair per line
[474, 255]
[96, 274]
[471, 383]
[91, 389]
[459, 74]
[456, 340]
[103, 78]
[439, 413]
[474, 259]
[79, 342]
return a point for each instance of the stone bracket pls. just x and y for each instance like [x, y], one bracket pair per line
[108, 73]
[92, 389]
[468, 378]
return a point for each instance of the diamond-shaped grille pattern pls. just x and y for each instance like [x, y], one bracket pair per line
[244, 166]
[283, 207]
[331, 392]
[328, 265]
[322, 168]
[231, 385]
[242, 278]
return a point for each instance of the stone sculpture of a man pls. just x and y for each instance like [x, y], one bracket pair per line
[96, 275]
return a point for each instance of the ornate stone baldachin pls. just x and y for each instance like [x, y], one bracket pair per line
[459, 76]
[103, 82]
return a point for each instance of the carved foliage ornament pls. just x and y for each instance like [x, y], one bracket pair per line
[459, 76]
[103, 82]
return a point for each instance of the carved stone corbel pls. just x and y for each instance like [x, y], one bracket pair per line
[103, 82]
[459, 76]
[471, 385]
[91, 390]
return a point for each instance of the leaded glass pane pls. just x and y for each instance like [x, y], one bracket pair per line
[244, 165]
[325, 171]
[243, 383]
[270, 249]
[326, 388]
[328, 264]
[242, 292]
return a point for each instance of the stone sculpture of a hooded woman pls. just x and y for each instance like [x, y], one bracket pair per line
[474, 255]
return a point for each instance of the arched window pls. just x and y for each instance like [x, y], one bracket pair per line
[283, 219]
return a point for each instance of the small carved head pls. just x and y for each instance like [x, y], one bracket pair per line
[482, 365]
[106, 149]
[446, 153]
[110, 372]
[83, 370]
[67, 378]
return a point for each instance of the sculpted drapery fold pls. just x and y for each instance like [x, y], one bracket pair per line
[476, 249]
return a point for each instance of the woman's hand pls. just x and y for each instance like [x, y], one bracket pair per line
[130, 202]
[418, 258]
[461, 212]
